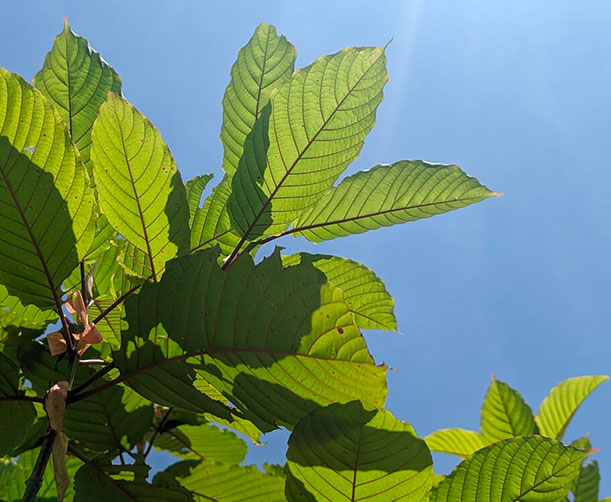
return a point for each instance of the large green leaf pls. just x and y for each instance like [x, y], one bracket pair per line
[313, 127]
[505, 414]
[558, 408]
[16, 417]
[46, 219]
[263, 64]
[364, 292]
[112, 421]
[528, 469]
[460, 442]
[202, 442]
[277, 341]
[139, 187]
[386, 195]
[344, 452]
[101, 482]
[220, 482]
[76, 80]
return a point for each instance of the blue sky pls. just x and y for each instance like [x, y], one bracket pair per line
[516, 93]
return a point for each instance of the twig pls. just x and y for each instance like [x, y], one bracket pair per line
[157, 430]
[116, 303]
[94, 362]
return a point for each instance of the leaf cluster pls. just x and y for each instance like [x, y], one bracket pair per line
[203, 341]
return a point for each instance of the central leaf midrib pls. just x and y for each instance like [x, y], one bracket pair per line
[356, 463]
[379, 213]
[260, 86]
[302, 153]
[133, 185]
[69, 86]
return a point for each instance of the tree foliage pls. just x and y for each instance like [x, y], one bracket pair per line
[186, 327]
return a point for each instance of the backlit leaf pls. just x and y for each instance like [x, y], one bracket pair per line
[277, 342]
[202, 442]
[313, 127]
[364, 292]
[47, 206]
[505, 414]
[385, 195]
[220, 482]
[76, 79]
[195, 188]
[264, 63]
[343, 452]
[528, 469]
[460, 442]
[139, 187]
[558, 408]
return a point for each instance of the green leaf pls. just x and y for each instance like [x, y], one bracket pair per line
[13, 314]
[16, 417]
[364, 292]
[344, 452]
[277, 342]
[211, 224]
[557, 409]
[460, 442]
[112, 421]
[219, 482]
[47, 206]
[505, 414]
[386, 195]
[586, 484]
[528, 468]
[263, 64]
[14, 474]
[76, 79]
[195, 188]
[139, 187]
[202, 442]
[314, 128]
[122, 483]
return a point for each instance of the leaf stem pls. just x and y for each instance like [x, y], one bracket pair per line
[96, 376]
[116, 303]
[157, 430]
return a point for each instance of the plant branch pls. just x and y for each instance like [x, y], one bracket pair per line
[93, 378]
[157, 430]
[34, 482]
[34, 399]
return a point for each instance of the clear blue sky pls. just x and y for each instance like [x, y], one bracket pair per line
[517, 93]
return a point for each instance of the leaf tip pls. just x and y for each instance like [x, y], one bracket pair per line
[497, 194]
[592, 451]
